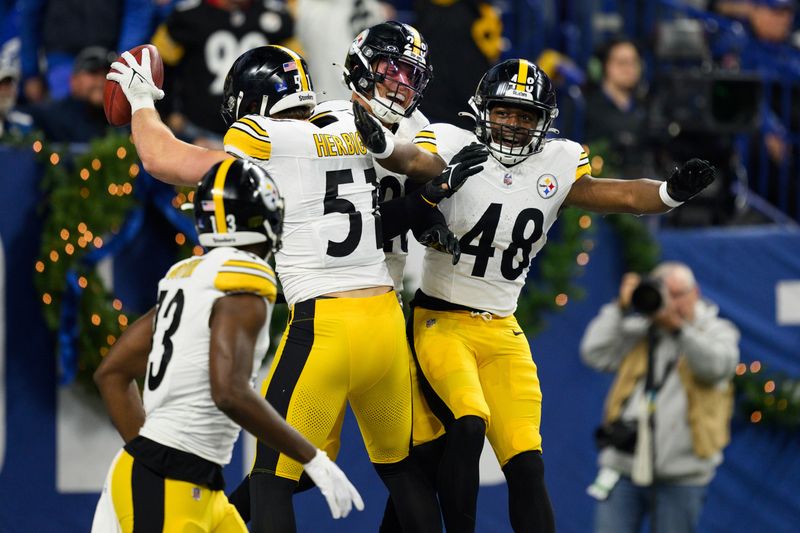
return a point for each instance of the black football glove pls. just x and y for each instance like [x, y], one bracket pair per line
[689, 179]
[464, 164]
[440, 238]
[370, 130]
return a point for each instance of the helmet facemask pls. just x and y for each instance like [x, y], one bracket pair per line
[511, 144]
[402, 82]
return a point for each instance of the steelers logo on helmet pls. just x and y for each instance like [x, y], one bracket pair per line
[264, 81]
[514, 107]
[237, 203]
[388, 66]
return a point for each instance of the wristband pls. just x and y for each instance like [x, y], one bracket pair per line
[386, 151]
[142, 102]
[668, 200]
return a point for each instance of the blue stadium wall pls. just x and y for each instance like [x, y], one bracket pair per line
[756, 488]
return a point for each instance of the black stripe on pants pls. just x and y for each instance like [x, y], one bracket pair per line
[147, 490]
[296, 350]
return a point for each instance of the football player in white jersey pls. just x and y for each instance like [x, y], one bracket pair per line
[479, 375]
[345, 341]
[199, 350]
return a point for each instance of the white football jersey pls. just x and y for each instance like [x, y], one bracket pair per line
[501, 217]
[390, 184]
[331, 241]
[177, 391]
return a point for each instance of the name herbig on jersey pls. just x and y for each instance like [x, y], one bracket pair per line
[501, 217]
[331, 238]
[390, 184]
[177, 392]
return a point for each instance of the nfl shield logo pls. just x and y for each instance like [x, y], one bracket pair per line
[547, 186]
[430, 322]
[196, 494]
[507, 180]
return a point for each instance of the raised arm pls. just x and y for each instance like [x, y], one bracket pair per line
[163, 155]
[116, 375]
[642, 196]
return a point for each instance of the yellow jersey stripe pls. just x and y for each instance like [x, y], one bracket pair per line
[241, 282]
[255, 125]
[248, 145]
[583, 170]
[429, 146]
[426, 134]
[299, 63]
[522, 75]
[218, 192]
[249, 264]
[315, 117]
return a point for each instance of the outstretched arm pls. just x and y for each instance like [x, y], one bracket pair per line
[401, 157]
[642, 196]
[163, 155]
[115, 377]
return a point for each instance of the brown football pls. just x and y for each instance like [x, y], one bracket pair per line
[116, 106]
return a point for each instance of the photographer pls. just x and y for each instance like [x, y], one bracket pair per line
[667, 414]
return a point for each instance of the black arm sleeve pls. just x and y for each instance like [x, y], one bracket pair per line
[398, 215]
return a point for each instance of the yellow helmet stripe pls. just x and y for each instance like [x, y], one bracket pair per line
[416, 47]
[218, 192]
[299, 62]
[522, 75]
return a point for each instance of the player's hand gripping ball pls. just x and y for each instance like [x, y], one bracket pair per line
[134, 78]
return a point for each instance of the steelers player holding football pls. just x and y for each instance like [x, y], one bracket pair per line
[345, 341]
[479, 375]
[199, 350]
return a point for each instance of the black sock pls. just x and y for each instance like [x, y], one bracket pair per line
[271, 509]
[528, 502]
[459, 474]
[426, 457]
[240, 498]
[413, 497]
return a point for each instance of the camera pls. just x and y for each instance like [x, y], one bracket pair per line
[648, 297]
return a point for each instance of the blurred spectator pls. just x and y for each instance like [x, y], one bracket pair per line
[325, 29]
[668, 411]
[465, 39]
[59, 29]
[78, 117]
[199, 42]
[12, 122]
[616, 117]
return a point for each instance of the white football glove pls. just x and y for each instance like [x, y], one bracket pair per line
[340, 494]
[136, 81]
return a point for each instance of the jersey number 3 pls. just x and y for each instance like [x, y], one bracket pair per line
[154, 380]
[486, 227]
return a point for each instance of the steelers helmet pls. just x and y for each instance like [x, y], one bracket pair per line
[237, 203]
[264, 81]
[519, 83]
[389, 51]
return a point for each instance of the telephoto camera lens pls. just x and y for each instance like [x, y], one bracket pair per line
[647, 298]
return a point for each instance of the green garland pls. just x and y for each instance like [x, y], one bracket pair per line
[87, 198]
[768, 398]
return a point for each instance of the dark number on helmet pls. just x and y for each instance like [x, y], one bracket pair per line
[485, 230]
[154, 380]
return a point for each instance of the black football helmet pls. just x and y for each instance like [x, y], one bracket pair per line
[264, 81]
[237, 203]
[519, 83]
[405, 55]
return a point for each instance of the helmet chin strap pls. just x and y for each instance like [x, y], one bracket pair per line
[381, 107]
